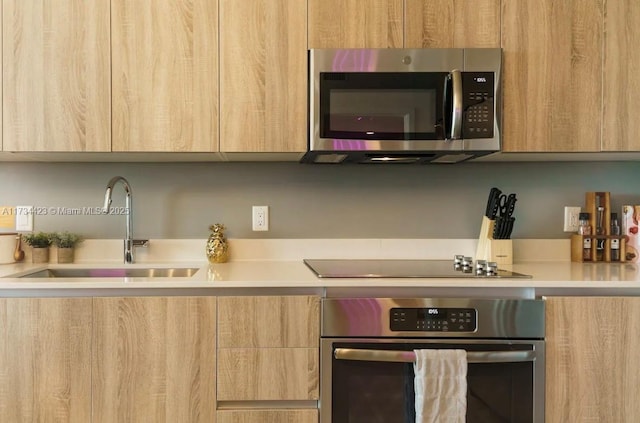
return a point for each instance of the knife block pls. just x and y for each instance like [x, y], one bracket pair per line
[489, 249]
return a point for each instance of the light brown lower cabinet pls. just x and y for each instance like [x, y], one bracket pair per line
[593, 365]
[45, 360]
[133, 359]
[268, 359]
[154, 359]
[263, 374]
[267, 416]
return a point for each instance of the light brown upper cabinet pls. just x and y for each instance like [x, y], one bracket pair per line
[452, 23]
[552, 75]
[56, 75]
[621, 82]
[263, 76]
[355, 23]
[165, 75]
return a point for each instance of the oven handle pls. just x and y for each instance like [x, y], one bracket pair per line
[410, 356]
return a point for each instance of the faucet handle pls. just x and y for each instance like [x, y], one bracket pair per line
[140, 242]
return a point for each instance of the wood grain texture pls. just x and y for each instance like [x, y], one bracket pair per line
[355, 23]
[165, 75]
[268, 321]
[592, 359]
[552, 79]
[621, 82]
[263, 76]
[45, 360]
[254, 374]
[154, 359]
[268, 416]
[56, 75]
[452, 23]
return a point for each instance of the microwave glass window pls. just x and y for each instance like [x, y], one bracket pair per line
[382, 111]
[382, 106]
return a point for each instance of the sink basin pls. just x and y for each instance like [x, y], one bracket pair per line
[183, 272]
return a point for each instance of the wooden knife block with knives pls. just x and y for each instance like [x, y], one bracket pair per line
[601, 237]
[494, 241]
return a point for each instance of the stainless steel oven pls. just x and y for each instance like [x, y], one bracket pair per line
[367, 356]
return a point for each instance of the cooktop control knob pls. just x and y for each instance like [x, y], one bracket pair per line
[467, 264]
[481, 267]
[492, 268]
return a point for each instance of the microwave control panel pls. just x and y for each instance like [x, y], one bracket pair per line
[433, 319]
[478, 104]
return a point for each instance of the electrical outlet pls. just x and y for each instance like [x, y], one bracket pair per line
[260, 218]
[24, 218]
[571, 218]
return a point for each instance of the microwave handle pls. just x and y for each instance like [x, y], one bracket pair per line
[453, 106]
[410, 356]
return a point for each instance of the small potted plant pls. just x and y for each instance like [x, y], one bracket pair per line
[40, 243]
[65, 243]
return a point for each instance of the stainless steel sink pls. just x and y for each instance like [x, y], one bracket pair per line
[182, 272]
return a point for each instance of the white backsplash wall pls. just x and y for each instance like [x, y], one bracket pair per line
[180, 200]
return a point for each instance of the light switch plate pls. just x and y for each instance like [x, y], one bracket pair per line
[24, 218]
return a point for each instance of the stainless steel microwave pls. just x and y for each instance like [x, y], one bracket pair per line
[403, 105]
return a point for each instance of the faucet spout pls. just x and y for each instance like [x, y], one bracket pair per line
[128, 212]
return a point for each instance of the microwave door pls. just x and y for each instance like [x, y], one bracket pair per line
[452, 106]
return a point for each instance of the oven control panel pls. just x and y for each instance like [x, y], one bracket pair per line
[433, 319]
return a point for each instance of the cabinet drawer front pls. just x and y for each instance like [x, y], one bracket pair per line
[246, 374]
[269, 322]
[267, 416]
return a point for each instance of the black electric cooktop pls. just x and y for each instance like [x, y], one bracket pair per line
[330, 268]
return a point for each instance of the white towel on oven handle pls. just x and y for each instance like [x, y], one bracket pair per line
[440, 386]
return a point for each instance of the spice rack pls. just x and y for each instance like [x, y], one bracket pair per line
[604, 240]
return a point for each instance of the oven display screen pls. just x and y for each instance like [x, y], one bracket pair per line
[433, 319]
[432, 313]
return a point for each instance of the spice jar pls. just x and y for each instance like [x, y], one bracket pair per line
[585, 229]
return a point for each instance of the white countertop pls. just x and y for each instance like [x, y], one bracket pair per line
[279, 272]
[295, 274]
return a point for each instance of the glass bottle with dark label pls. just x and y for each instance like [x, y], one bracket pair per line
[600, 231]
[585, 229]
[615, 242]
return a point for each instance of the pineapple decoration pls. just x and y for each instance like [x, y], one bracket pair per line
[217, 247]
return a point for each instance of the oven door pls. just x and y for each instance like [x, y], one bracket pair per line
[370, 380]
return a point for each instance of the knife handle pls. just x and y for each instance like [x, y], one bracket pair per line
[511, 204]
[492, 203]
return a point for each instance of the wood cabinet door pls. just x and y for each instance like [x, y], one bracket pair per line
[154, 359]
[621, 82]
[263, 76]
[268, 416]
[165, 75]
[355, 23]
[268, 348]
[452, 23]
[45, 359]
[592, 359]
[268, 374]
[552, 75]
[56, 75]
[269, 322]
